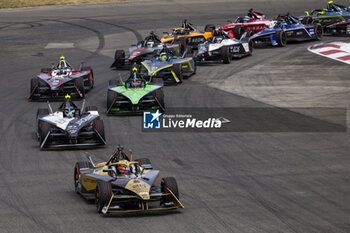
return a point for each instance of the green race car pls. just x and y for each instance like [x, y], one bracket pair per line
[168, 67]
[135, 95]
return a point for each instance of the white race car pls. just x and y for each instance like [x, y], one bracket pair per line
[222, 48]
[69, 126]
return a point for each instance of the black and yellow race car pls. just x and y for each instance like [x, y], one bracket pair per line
[188, 35]
[125, 185]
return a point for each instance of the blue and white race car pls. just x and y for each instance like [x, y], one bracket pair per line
[288, 28]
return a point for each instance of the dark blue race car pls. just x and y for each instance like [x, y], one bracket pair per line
[288, 28]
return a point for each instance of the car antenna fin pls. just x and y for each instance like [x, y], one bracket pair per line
[81, 65]
[88, 155]
[48, 104]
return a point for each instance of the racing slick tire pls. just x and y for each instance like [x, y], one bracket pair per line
[119, 58]
[42, 111]
[225, 54]
[99, 128]
[77, 167]
[158, 80]
[114, 82]
[90, 108]
[110, 99]
[43, 130]
[307, 20]
[209, 28]
[171, 184]
[182, 44]
[103, 195]
[79, 84]
[318, 31]
[159, 95]
[143, 161]
[238, 32]
[249, 33]
[91, 82]
[281, 38]
[33, 84]
[45, 70]
[178, 72]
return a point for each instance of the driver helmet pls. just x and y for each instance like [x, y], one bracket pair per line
[218, 39]
[163, 56]
[123, 169]
[246, 19]
[69, 111]
[150, 44]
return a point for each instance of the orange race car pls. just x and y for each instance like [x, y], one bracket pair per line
[189, 35]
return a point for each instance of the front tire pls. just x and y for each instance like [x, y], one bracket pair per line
[77, 168]
[238, 32]
[43, 129]
[225, 54]
[318, 31]
[171, 184]
[103, 195]
[281, 38]
[79, 83]
[99, 128]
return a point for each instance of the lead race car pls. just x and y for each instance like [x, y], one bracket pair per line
[335, 19]
[142, 51]
[125, 185]
[135, 95]
[222, 48]
[288, 28]
[60, 80]
[253, 21]
[168, 67]
[69, 126]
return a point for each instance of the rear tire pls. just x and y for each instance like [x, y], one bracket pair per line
[77, 167]
[307, 20]
[238, 32]
[143, 161]
[251, 46]
[171, 184]
[115, 82]
[281, 38]
[119, 58]
[91, 77]
[90, 108]
[45, 70]
[42, 111]
[209, 28]
[225, 54]
[178, 72]
[103, 195]
[99, 127]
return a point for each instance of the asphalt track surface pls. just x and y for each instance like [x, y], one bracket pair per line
[229, 182]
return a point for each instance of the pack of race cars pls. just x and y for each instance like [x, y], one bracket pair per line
[125, 185]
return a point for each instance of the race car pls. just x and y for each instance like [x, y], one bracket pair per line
[334, 20]
[143, 50]
[125, 185]
[222, 48]
[135, 95]
[168, 67]
[60, 80]
[253, 21]
[188, 35]
[287, 28]
[69, 126]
